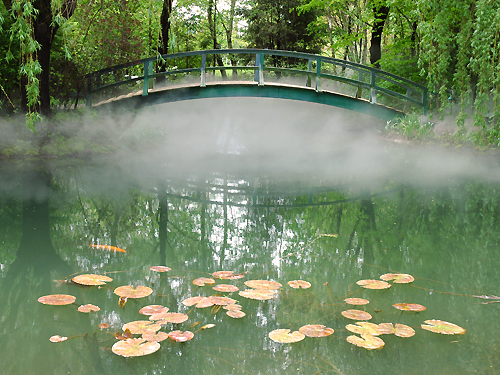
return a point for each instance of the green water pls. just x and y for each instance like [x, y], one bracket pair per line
[446, 236]
[269, 208]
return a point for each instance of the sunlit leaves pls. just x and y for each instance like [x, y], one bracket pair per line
[91, 279]
[399, 330]
[129, 291]
[263, 284]
[180, 336]
[141, 326]
[373, 284]
[296, 284]
[160, 268]
[399, 278]
[364, 328]
[356, 315]
[235, 313]
[366, 341]
[169, 317]
[154, 336]
[409, 307]
[445, 328]
[258, 294]
[57, 299]
[201, 281]
[284, 336]
[315, 330]
[57, 338]
[226, 288]
[135, 347]
[88, 308]
[356, 301]
[152, 309]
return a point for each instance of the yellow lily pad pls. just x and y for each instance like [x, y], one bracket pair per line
[373, 284]
[226, 288]
[315, 330]
[201, 281]
[152, 309]
[296, 284]
[258, 294]
[285, 337]
[364, 328]
[180, 336]
[91, 279]
[356, 301]
[409, 307]
[235, 313]
[141, 326]
[88, 308]
[134, 347]
[154, 336]
[263, 284]
[356, 315]
[399, 330]
[366, 341]
[57, 299]
[399, 278]
[440, 326]
[129, 291]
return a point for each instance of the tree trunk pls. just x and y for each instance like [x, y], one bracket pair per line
[212, 17]
[165, 26]
[381, 13]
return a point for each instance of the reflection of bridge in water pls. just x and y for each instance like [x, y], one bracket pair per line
[255, 73]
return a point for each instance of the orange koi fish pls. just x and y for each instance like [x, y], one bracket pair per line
[107, 247]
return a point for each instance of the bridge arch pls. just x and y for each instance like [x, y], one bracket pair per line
[260, 73]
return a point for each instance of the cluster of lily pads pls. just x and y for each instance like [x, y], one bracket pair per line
[129, 345]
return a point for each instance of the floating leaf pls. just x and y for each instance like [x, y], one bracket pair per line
[285, 337]
[409, 306]
[180, 336]
[129, 291]
[226, 288]
[356, 315]
[222, 301]
[263, 284]
[154, 336]
[57, 338]
[232, 307]
[152, 309]
[91, 279]
[201, 302]
[296, 284]
[366, 341]
[171, 317]
[88, 308]
[141, 326]
[125, 335]
[103, 325]
[227, 275]
[57, 299]
[356, 301]
[207, 326]
[439, 326]
[201, 281]
[315, 330]
[399, 278]
[373, 284]
[258, 294]
[364, 328]
[235, 313]
[160, 268]
[135, 347]
[400, 330]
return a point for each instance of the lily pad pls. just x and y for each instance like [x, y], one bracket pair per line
[366, 341]
[201, 281]
[364, 328]
[356, 301]
[180, 336]
[155, 336]
[232, 307]
[373, 284]
[171, 317]
[207, 326]
[285, 337]
[125, 335]
[57, 338]
[440, 326]
[141, 326]
[227, 275]
[356, 315]
[315, 330]
[258, 294]
[226, 288]
[57, 299]
[399, 278]
[129, 291]
[400, 330]
[160, 268]
[222, 301]
[202, 302]
[88, 308]
[296, 284]
[152, 309]
[135, 347]
[91, 279]
[409, 307]
[103, 325]
[263, 284]
[235, 313]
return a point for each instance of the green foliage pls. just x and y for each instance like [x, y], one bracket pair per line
[411, 127]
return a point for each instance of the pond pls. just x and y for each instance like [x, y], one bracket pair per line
[329, 206]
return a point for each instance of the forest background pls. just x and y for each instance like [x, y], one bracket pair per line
[452, 47]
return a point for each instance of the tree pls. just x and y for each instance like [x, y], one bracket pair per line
[380, 14]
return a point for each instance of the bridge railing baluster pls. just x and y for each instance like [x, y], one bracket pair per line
[318, 74]
[203, 70]
[373, 92]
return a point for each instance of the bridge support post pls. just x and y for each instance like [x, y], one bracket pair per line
[259, 74]
[318, 74]
[309, 69]
[148, 82]
[203, 70]
[373, 93]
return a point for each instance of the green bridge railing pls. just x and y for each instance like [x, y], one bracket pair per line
[261, 67]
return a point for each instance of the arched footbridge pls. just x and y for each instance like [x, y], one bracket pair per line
[223, 73]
